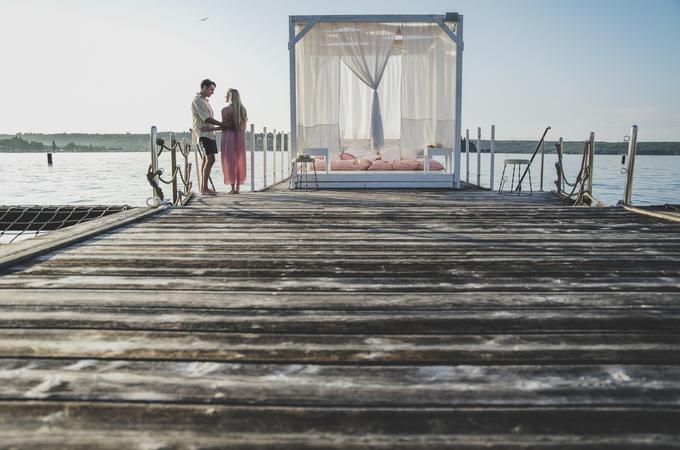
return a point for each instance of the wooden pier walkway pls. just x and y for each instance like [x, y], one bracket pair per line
[351, 320]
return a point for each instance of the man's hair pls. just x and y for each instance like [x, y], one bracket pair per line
[207, 83]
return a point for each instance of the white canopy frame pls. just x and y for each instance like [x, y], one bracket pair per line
[309, 22]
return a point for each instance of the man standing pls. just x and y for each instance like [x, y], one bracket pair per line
[202, 115]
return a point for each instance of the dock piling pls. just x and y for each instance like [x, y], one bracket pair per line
[591, 161]
[274, 156]
[479, 156]
[492, 155]
[632, 149]
[154, 157]
[542, 163]
[264, 155]
[467, 155]
[173, 165]
[252, 158]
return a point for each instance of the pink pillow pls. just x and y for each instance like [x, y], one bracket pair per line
[319, 160]
[381, 164]
[346, 156]
[346, 165]
[406, 164]
[338, 164]
[434, 165]
[363, 164]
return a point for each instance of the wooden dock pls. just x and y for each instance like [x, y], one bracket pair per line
[350, 320]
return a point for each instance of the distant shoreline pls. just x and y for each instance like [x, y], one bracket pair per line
[126, 143]
[485, 151]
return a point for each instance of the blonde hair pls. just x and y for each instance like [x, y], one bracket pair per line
[240, 113]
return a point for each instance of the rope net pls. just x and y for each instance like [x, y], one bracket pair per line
[29, 221]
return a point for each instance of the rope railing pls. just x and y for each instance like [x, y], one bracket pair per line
[271, 168]
[581, 188]
[154, 173]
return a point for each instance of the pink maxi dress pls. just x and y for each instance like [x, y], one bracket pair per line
[233, 150]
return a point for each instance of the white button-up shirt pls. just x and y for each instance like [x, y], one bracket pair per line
[200, 112]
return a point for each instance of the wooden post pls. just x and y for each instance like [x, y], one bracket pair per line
[561, 142]
[591, 161]
[467, 155]
[283, 167]
[252, 158]
[492, 156]
[479, 156]
[264, 155]
[288, 158]
[49, 155]
[632, 149]
[459, 100]
[173, 167]
[542, 161]
[274, 156]
[187, 167]
[292, 145]
[154, 158]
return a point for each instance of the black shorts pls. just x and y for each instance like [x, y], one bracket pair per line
[209, 145]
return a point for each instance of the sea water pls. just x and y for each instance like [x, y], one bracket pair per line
[119, 178]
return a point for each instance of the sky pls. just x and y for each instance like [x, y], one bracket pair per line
[122, 66]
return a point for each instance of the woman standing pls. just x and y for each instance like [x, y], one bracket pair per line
[235, 116]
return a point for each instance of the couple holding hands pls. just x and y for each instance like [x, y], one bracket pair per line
[233, 145]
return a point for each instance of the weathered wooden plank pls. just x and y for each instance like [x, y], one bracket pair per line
[327, 214]
[271, 300]
[343, 322]
[141, 426]
[378, 236]
[293, 221]
[301, 441]
[416, 267]
[575, 348]
[391, 217]
[228, 259]
[462, 248]
[464, 258]
[331, 385]
[385, 274]
[348, 284]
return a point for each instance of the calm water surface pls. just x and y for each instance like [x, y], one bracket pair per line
[119, 178]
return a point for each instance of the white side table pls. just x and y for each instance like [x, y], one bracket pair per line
[446, 152]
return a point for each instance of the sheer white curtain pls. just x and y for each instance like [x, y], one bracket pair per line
[345, 71]
[355, 106]
[365, 49]
[428, 88]
[318, 86]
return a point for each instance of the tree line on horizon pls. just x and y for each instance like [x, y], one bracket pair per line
[81, 142]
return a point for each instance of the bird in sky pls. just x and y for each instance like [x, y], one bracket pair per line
[204, 19]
